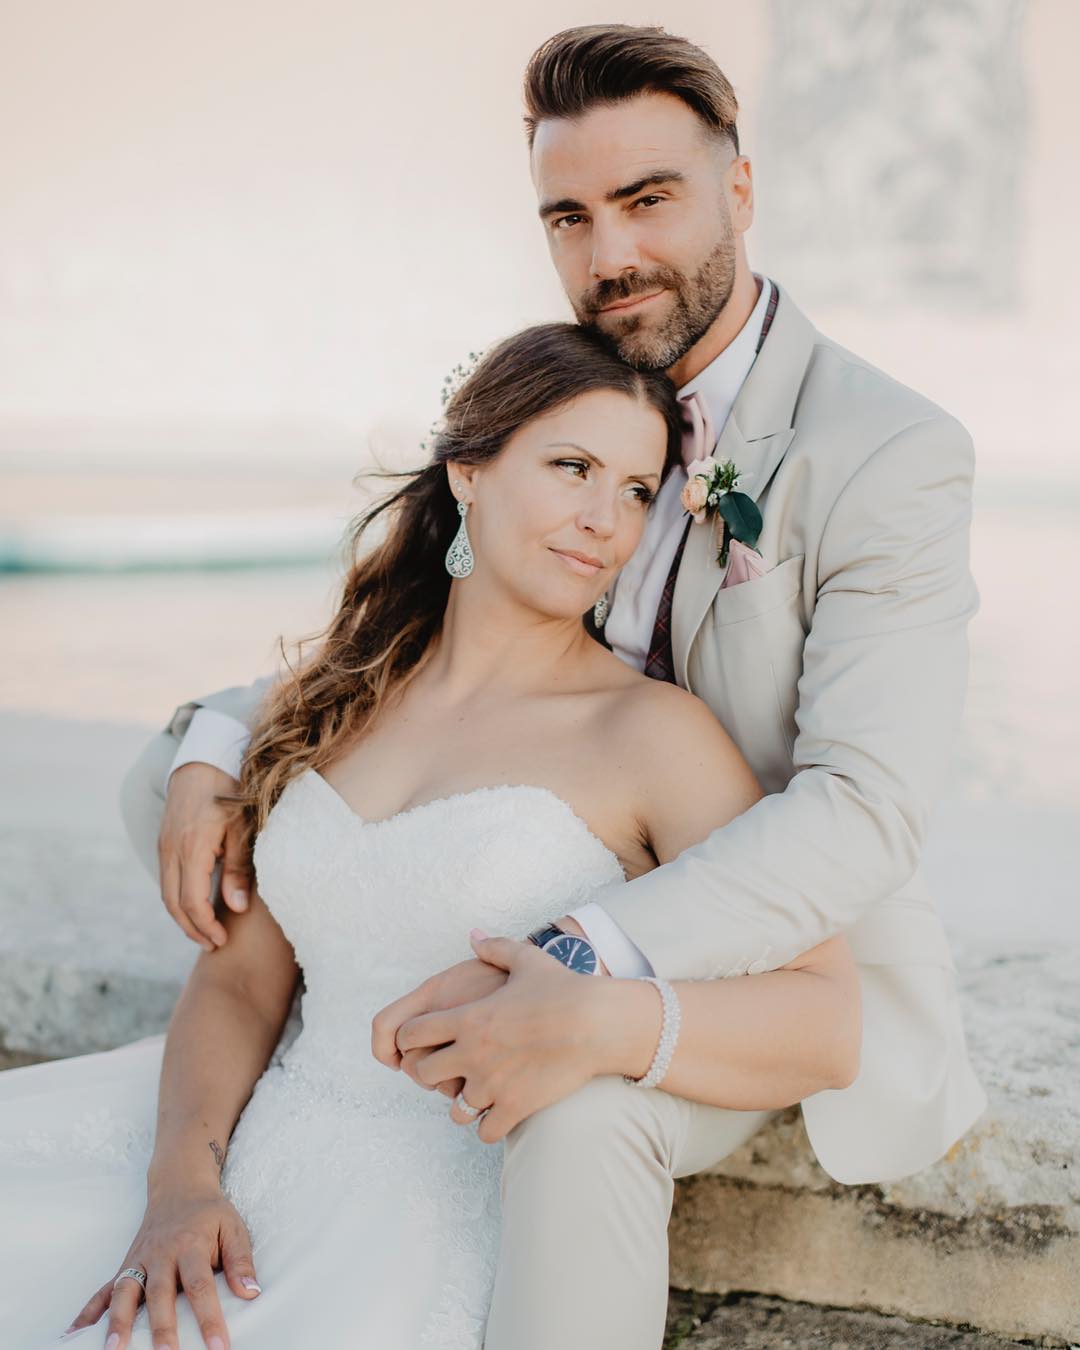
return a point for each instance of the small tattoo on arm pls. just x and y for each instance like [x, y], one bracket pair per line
[219, 1156]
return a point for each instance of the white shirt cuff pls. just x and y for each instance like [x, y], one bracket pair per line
[623, 957]
[213, 738]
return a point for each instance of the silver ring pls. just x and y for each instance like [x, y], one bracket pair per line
[133, 1273]
[475, 1111]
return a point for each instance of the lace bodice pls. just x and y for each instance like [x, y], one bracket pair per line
[373, 908]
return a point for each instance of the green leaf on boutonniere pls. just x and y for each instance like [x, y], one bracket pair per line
[742, 521]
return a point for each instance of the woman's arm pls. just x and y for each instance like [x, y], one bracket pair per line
[750, 1042]
[221, 1035]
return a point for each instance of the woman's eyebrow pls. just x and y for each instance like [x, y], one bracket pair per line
[573, 445]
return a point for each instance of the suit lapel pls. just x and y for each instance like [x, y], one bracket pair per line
[756, 436]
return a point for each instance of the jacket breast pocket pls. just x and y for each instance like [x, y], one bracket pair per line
[746, 664]
[748, 599]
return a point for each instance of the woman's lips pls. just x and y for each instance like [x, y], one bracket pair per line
[633, 303]
[584, 569]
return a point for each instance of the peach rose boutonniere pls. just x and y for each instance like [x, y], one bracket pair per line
[710, 492]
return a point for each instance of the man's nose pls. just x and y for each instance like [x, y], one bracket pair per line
[614, 251]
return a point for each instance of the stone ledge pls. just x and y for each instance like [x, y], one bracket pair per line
[988, 1237]
[754, 1322]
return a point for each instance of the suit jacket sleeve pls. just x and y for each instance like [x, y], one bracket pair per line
[880, 701]
[239, 701]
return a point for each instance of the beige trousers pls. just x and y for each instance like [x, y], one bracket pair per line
[587, 1182]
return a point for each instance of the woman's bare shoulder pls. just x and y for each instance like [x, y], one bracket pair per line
[667, 719]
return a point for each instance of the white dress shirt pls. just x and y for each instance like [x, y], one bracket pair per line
[214, 738]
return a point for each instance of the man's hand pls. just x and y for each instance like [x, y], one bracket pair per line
[451, 988]
[528, 1044]
[195, 832]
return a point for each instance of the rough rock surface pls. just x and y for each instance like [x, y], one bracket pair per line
[750, 1322]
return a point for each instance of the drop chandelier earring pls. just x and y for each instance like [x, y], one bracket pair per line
[601, 610]
[459, 556]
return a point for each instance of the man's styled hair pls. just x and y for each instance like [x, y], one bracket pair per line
[598, 63]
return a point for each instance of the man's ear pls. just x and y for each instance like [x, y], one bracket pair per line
[740, 190]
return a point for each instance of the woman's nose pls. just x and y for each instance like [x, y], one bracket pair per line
[598, 517]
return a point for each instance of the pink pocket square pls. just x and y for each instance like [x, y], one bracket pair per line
[743, 564]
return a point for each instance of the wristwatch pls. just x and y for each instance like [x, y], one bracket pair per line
[576, 953]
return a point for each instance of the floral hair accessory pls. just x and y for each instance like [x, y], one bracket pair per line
[710, 492]
[450, 385]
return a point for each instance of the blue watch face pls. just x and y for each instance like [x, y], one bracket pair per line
[574, 952]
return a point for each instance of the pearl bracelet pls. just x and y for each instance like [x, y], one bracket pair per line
[669, 1034]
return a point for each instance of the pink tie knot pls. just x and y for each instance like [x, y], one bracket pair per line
[699, 437]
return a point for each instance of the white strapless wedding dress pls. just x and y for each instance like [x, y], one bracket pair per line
[374, 1218]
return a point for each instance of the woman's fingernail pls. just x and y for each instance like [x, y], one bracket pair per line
[240, 899]
[477, 933]
[113, 1341]
[249, 1283]
[215, 1343]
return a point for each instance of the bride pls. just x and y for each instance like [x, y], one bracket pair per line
[456, 750]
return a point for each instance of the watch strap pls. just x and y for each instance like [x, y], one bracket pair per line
[543, 935]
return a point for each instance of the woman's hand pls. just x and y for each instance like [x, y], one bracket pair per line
[464, 983]
[185, 1234]
[532, 1042]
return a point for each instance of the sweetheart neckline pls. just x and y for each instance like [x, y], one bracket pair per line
[459, 796]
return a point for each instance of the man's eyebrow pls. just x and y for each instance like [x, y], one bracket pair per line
[618, 194]
[573, 445]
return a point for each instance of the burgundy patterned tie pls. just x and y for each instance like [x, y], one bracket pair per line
[660, 663]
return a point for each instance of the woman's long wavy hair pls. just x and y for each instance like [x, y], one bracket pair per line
[395, 593]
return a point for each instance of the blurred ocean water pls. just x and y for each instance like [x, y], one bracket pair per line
[122, 644]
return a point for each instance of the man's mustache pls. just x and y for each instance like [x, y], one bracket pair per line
[623, 288]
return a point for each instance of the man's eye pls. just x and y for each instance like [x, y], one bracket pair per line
[563, 219]
[642, 200]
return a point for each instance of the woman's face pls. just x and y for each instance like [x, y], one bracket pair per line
[562, 506]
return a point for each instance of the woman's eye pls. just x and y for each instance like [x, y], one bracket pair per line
[644, 495]
[574, 464]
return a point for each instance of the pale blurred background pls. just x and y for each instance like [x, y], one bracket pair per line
[242, 245]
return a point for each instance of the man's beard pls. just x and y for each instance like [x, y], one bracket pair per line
[697, 302]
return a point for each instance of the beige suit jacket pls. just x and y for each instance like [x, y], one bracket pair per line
[840, 674]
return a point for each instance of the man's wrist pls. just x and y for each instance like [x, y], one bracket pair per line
[569, 925]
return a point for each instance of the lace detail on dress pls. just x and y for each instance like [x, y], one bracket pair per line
[372, 909]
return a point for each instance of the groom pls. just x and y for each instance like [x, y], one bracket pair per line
[840, 672]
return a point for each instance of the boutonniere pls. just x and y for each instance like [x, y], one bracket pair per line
[710, 492]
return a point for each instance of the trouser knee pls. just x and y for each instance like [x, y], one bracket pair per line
[605, 1123]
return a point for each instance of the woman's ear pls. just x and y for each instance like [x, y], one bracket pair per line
[461, 478]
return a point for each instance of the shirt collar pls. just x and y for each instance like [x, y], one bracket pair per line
[720, 381]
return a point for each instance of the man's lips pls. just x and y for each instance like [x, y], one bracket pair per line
[583, 563]
[632, 302]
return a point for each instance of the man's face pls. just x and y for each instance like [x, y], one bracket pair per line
[642, 222]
